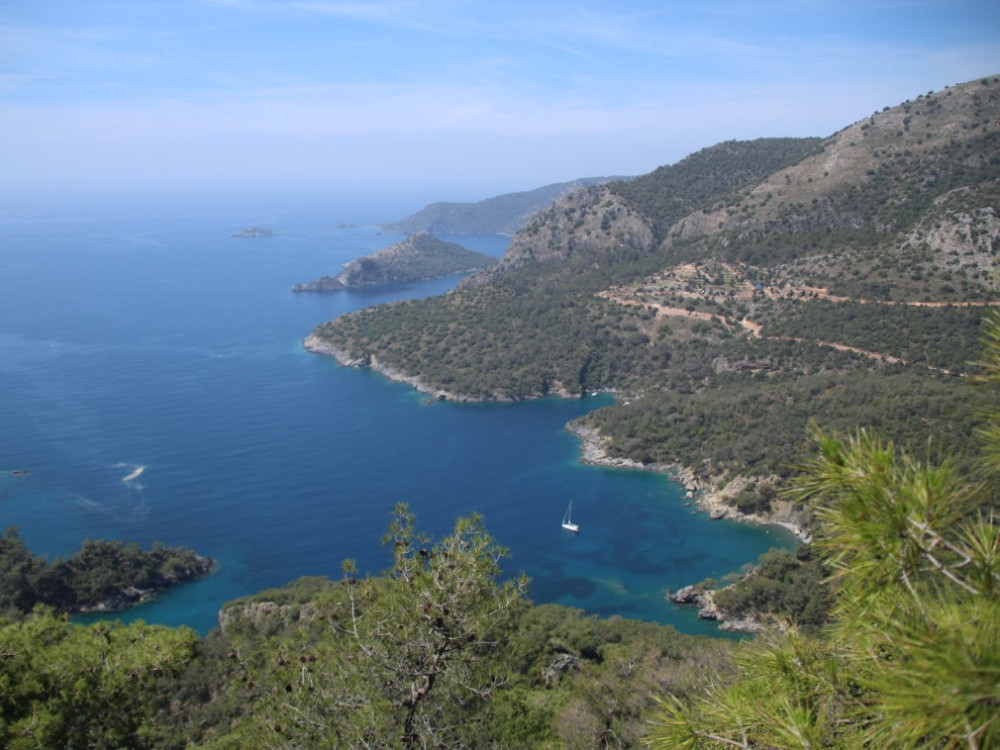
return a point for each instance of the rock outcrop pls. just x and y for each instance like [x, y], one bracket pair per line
[704, 599]
[594, 219]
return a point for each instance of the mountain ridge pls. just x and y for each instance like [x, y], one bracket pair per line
[609, 215]
[501, 214]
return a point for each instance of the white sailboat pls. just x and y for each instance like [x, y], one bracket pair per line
[567, 522]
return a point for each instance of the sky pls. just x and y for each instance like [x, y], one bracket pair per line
[444, 99]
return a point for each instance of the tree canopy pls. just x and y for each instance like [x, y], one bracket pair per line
[910, 658]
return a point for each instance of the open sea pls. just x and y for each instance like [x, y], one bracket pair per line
[154, 386]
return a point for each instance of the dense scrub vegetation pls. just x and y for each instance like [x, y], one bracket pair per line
[436, 651]
[746, 424]
[789, 588]
[668, 194]
[944, 338]
[491, 344]
[101, 574]
[910, 657]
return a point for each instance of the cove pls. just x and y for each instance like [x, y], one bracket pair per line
[155, 387]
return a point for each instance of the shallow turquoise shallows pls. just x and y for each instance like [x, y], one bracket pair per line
[154, 385]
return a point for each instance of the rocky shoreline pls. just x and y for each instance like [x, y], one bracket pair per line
[316, 345]
[709, 496]
[704, 599]
[129, 596]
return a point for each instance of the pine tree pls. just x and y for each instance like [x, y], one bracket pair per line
[407, 659]
[912, 659]
[74, 686]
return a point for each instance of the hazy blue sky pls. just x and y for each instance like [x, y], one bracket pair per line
[458, 100]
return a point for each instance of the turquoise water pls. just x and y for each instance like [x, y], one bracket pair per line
[165, 345]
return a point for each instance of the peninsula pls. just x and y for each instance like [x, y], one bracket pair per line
[419, 257]
[101, 576]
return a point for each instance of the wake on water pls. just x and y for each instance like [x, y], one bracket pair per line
[135, 473]
[130, 506]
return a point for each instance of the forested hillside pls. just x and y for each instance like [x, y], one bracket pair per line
[732, 297]
[438, 651]
[419, 256]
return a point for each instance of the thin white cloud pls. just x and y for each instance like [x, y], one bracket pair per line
[391, 11]
[59, 54]
[260, 90]
[11, 82]
[420, 15]
[241, 4]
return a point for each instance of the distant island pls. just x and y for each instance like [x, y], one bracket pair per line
[254, 232]
[419, 257]
[502, 214]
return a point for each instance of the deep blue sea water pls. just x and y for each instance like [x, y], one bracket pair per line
[163, 344]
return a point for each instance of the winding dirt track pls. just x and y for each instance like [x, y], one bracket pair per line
[754, 329]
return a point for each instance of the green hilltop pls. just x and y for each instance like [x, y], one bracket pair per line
[420, 256]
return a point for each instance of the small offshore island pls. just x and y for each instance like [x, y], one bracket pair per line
[419, 257]
[253, 232]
